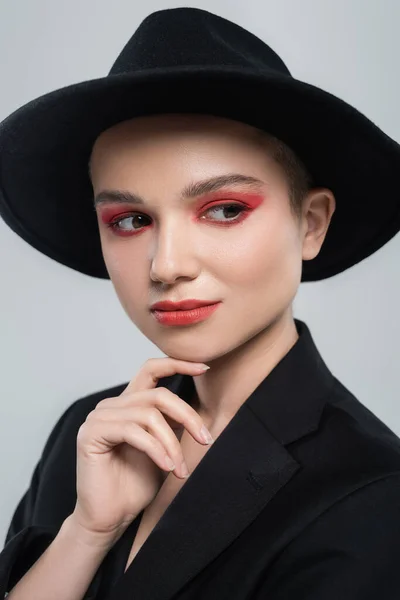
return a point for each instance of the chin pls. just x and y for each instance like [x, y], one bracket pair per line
[185, 351]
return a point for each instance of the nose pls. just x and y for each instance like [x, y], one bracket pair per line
[174, 255]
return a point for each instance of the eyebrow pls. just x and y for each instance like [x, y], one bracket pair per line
[192, 190]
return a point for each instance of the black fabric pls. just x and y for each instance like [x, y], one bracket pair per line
[299, 497]
[350, 551]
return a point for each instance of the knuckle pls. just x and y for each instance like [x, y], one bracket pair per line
[162, 390]
[91, 416]
[154, 416]
[162, 393]
[102, 403]
[81, 436]
[150, 364]
[102, 415]
[130, 399]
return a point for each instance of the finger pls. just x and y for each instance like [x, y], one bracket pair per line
[100, 439]
[156, 368]
[153, 421]
[176, 411]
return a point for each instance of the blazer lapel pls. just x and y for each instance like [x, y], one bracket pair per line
[246, 466]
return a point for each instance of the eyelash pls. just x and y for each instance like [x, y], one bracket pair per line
[114, 225]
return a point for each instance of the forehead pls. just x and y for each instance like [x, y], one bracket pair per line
[197, 134]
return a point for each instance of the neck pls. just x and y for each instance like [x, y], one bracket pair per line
[221, 391]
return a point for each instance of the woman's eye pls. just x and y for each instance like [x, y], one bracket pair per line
[117, 223]
[224, 210]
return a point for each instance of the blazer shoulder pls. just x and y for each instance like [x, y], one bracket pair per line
[364, 426]
[75, 415]
[80, 408]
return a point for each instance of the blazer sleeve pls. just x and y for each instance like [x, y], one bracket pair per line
[25, 542]
[351, 551]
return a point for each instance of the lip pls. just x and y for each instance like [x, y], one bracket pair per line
[182, 304]
[185, 317]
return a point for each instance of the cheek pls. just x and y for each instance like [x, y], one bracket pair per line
[264, 256]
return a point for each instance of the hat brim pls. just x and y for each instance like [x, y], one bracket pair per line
[46, 195]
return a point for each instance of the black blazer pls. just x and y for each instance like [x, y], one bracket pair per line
[298, 498]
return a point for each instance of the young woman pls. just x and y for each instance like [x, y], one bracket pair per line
[207, 184]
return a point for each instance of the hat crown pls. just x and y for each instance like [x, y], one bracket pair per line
[180, 37]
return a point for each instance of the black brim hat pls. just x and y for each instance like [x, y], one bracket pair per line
[188, 60]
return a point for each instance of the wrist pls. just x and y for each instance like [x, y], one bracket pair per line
[96, 541]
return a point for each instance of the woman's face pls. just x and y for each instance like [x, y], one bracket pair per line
[247, 256]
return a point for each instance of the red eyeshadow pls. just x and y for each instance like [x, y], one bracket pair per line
[251, 199]
[108, 213]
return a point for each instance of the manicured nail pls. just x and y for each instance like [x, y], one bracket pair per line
[169, 463]
[206, 435]
[185, 470]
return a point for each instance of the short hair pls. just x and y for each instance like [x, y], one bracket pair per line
[299, 178]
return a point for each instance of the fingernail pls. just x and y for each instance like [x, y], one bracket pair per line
[185, 470]
[169, 463]
[206, 435]
[203, 367]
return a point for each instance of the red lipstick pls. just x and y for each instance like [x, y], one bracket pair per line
[189, 311]
[181, 305]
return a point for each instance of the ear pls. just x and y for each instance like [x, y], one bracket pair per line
[318, 208]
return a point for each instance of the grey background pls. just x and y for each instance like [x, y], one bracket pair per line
[64, 335]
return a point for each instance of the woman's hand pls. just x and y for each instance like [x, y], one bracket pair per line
[124, 446]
